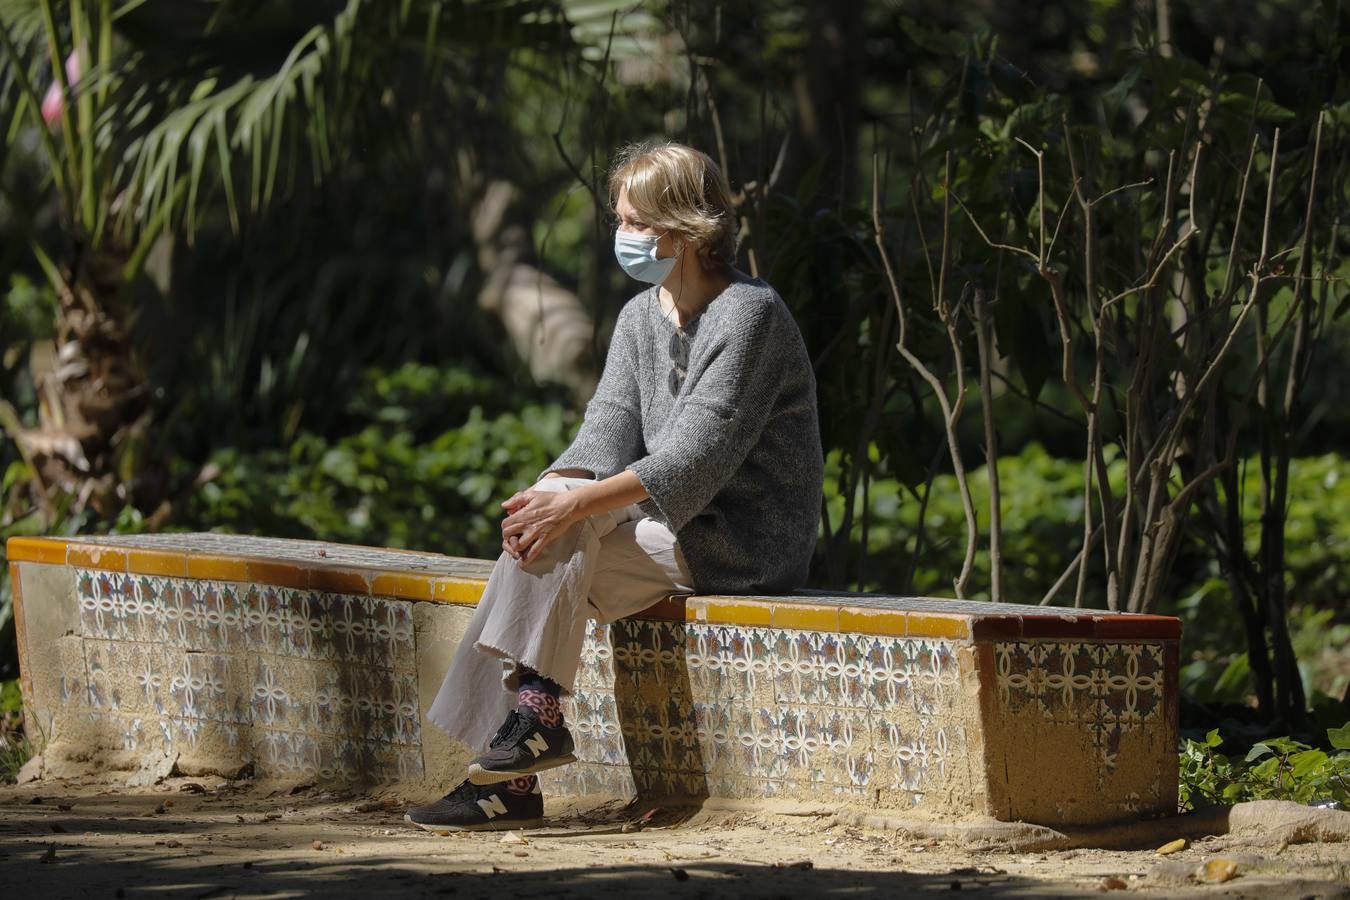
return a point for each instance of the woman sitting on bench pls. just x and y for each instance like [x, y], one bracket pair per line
[697, 469]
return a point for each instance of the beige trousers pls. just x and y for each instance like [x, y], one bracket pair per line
[606, 567]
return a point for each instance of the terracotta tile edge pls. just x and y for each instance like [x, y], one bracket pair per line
[1086, 625]
[1144, 627]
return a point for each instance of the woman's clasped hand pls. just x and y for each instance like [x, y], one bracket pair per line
[534, 520]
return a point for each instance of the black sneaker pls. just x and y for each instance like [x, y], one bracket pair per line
[523, 746]
[473, 808]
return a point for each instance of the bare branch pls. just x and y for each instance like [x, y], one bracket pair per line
[1040, 202]
[1157, 270]
[994, 244]
[1124, 187]
[984, 338]
[1088, 546]
[1064, 211]
[950, 414]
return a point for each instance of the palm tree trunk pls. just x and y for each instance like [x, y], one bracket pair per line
[93, 406]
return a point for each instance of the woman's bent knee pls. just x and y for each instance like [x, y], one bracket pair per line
[561, 483]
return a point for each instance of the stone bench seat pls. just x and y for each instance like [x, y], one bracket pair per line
[217, 653]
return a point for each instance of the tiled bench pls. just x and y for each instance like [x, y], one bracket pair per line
[302, 659]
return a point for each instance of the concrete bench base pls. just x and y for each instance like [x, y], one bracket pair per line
[303, 660]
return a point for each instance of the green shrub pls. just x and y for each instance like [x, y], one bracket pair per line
[1042, 527]
[15, 748]
[1274, 769]
[427, 472]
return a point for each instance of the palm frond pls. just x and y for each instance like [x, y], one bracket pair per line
[23, 55]
[618, 30]
[188, 102]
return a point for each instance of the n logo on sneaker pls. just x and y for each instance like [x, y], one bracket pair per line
[537, 744]
[492, 806]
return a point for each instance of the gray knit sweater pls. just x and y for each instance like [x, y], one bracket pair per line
[733, 461]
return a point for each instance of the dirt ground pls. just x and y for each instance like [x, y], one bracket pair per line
[205, 838]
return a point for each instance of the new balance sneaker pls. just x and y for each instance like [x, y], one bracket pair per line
[522, 746]
[470, 807]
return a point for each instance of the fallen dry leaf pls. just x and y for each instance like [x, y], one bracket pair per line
[1172, 847]
[1218, 870]
[514, 837]
[1111, 884]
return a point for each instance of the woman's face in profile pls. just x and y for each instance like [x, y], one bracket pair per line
[629, 221]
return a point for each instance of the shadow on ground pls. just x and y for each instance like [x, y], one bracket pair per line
[87, 841]
[92, 874]
[119, 845]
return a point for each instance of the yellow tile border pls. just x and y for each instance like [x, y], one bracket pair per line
[92, 556]
[282, 574]
[404, 585]
[337, 578]
[463, 591]
[51, 551]
[862, 620]
[726, 611]
[157, 562]
[213, 567]
[938, 625]
[804, 617]
[467, 591]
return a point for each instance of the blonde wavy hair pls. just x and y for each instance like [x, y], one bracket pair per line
[678, 189]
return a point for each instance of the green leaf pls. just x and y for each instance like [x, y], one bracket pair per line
[1285, 745]
[1213, 738]
[1340, 737]
[1258, 751]
[203, 90]
[1307, 762]
[16, 471]
[48, 267]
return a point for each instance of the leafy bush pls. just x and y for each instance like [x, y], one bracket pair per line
[427, 472]
[1317, 578]
[1042, 529]
[1217, 673]
[15, 748]
[1274, 769]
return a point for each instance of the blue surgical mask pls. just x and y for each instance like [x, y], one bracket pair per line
[636, 254]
